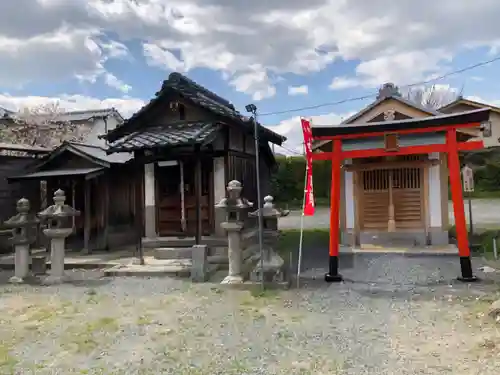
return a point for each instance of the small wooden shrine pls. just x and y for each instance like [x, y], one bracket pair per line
[391, 177]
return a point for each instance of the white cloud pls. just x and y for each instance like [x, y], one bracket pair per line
[112, 81]
[126, 106]
[298, 90]
[254, 82]
[292, 129]
[403, 68]
[52, 40]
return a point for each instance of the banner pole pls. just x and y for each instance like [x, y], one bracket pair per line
[299, 262]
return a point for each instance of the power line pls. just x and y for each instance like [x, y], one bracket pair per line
[291, 150]
[455, 72]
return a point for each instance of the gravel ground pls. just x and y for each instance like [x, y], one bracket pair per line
[398, 316]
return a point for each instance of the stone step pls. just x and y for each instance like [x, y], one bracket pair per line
[177, 268]
[159, 268]
[172, 253]
[393, 239]
[156, 242]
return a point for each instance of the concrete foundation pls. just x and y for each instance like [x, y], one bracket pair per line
[435, 237]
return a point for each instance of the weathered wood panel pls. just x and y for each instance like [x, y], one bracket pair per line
[169, 202]
[10, 193]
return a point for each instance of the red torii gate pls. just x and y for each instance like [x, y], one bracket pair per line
[442, 126]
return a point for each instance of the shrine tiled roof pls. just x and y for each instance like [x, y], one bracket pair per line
[173, 135]
[201, 97]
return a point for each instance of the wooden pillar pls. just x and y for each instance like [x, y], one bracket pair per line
[197, 183]
[87, 216]
[138, 217]
[105, 202]
[333, 268]
[458, 206]
[391, 223]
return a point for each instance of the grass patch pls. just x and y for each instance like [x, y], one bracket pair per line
[296, 204]
[482, 239]
[7, 361]
[87, 338]
[257, 292]
[289, 239]
[144, 320]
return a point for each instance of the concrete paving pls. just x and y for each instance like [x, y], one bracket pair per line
[485, 212]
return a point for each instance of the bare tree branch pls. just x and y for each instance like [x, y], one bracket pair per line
[432, 97]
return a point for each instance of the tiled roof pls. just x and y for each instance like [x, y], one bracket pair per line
[178, 134]
[70, 116]
[100, 153]
[4, 112]
[202, 97]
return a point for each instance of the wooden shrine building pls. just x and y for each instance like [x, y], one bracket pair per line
[188, 143]
[96, 184]
[394, 180]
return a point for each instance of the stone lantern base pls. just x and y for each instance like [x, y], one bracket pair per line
[272, 270]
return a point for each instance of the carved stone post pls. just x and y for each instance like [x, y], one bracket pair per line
[234, 206]
[272, 267]
[24, 227]
[59, 218]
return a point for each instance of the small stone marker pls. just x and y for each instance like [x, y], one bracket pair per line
[199, 265]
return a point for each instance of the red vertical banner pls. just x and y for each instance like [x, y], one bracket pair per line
[308, 189]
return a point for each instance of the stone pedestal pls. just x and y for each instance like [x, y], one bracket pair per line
[57, 253]
[59, 217]
[234, 252]
[21, 263]
[24, 226]
[235, 208]
[271, 269]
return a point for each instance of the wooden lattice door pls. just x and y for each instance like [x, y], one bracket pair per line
[400, 187]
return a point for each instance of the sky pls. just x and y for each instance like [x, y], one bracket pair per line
[278, 54]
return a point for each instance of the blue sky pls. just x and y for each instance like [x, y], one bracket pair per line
[96, 53]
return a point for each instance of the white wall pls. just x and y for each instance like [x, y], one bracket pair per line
[99, 127]
[349, 197]
[434, 209]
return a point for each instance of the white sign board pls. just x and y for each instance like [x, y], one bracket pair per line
[468, 179]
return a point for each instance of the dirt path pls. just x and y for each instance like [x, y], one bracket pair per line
[398, 316]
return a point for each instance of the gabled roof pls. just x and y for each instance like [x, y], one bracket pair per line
[95, 154]
[182, 133]
[460, 118]
[470, 103]
[387, 92]
[73, 116]
[91, 114]
[199, 96]
[4, 112]
[24, 148]
[379, 101]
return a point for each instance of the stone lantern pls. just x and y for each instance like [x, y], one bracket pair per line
[235, 207]
[24, 231]
[272, 266]
[59, 219]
